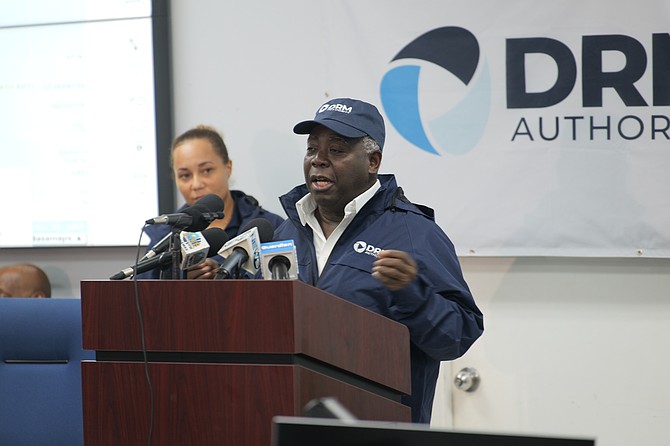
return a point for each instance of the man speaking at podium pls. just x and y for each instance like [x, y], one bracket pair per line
[359, 238]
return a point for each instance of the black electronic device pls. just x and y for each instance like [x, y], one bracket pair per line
[300, 431]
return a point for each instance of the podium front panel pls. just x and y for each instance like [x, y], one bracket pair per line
[209, 404]
[246, 316]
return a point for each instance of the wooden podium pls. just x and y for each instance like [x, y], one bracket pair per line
[224, 357]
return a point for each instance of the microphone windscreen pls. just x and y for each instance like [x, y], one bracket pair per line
[216, 237]
[265, 229]
[198, 222]
[207, 204]
[210, 203]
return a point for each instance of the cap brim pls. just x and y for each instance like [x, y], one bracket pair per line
[305, 128]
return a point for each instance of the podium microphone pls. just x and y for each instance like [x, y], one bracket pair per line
[194, 218]
[244, 251]
[279, 260]
[162, 245]
[191, 252]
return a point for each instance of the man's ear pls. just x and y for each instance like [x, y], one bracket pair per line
[375, 160]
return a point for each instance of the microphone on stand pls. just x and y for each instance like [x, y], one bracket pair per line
[162, 245]
[243, 251]
[194, 218]
[191, 253]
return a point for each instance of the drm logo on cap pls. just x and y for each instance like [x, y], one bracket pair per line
[363, 248]
[335, 107]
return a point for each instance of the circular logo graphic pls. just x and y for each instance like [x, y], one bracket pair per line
[360, 246]
[434, 95]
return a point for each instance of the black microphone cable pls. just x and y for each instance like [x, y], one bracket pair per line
[142, 338]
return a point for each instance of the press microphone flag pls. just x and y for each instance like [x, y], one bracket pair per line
[194, 249]
[279, 260]
[243, 251]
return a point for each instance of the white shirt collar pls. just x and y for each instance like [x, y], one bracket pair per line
[306, 205]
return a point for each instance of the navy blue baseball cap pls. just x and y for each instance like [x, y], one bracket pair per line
[348, 117]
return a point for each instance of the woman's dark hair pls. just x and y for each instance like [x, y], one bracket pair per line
[202, 132]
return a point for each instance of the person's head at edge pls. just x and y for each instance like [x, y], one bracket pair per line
[200, 165]
[344, 152]
[24, 280]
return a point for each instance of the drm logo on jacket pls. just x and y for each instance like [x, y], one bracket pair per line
[362, 247]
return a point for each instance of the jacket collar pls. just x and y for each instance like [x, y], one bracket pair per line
[389, 196]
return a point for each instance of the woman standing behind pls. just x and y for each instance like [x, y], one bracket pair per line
[201, 166]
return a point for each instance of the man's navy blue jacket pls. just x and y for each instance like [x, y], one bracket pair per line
[437, 307]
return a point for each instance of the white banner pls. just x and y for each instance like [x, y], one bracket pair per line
[532, 128]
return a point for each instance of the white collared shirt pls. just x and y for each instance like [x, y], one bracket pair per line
[324, 246]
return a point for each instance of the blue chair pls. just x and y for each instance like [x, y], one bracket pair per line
[40, 372]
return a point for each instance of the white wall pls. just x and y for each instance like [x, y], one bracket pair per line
[572, 347]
